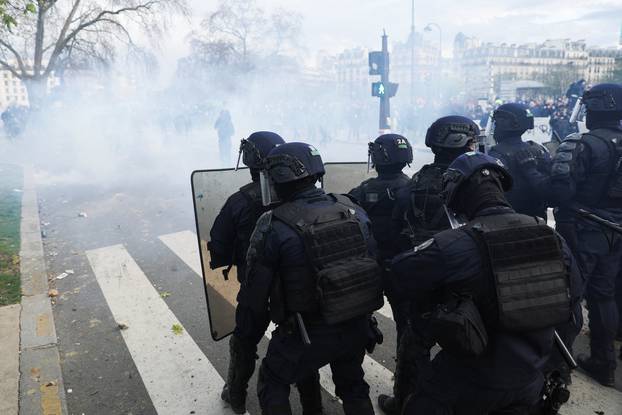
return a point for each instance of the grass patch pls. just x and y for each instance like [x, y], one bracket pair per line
[10, 212]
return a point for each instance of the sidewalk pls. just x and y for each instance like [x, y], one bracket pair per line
[30, 374]
[9, 360]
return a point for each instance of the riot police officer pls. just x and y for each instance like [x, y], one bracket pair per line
[229, 238]
[495, 332]
[528, 162]
[419, 209]
[388, 154]
[310, 270]
[419, 214]
[587, 173]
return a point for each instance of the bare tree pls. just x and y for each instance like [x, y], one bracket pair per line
[239, 32]
[60, 32]
[285, 29]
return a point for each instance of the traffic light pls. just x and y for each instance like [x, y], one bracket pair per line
[382, 89]
[379, 65]
[376, 63]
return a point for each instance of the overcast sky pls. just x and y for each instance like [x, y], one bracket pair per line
[337, 24]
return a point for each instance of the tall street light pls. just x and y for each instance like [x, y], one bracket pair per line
[412, 54]
[428, 28]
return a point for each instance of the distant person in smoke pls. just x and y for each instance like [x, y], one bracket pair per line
[224, 127]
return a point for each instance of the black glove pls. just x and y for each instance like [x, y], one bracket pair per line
[374, 335]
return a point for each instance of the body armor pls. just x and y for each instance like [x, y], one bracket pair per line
[340, 281]
[426, 215]
[378, 199]
[528, 286]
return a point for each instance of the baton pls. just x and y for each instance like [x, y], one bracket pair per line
[564, 351]
[597, 219]
[303, 330]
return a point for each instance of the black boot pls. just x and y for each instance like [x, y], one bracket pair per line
[388, 404]
[358, 407]
[597, 369]
[241, 368]
[236, 401]
[277, 410]
[310, 393]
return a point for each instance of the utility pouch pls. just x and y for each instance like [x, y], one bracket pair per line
[349, 288]
[458, 328]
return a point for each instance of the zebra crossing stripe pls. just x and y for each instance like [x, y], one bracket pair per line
[184, 245]
[177, 375]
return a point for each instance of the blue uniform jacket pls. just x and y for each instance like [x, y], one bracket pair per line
[529, 192]
[230, 233]
[512, 360]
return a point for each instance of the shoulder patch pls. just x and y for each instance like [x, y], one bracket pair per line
[424, 245]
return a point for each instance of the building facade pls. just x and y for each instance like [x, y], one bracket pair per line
[557, 63]
[12, 91]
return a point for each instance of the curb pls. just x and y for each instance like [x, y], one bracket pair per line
[41, 388]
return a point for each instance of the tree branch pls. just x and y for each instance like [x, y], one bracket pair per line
[9, 68]
[20, 62]
[103, 15]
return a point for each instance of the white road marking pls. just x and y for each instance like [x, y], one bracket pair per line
[177, 375]
[185, 245]
[380, 379]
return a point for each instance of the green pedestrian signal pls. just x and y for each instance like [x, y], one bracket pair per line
[380, 89]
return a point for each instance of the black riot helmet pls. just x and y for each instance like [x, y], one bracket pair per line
[511, 120]
[293, 161]
[471, 179]
[603, 104]
[256, 147]
[390, 149]
[289, 168]
[452, 132]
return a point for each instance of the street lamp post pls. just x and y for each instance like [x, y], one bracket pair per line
[412, 55]
[428, 28]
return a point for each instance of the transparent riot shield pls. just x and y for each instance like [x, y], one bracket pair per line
[210, 190]
[343, 177]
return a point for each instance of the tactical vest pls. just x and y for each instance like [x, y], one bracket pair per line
[602, 187]
[521, 195]
[528, 284]
[378, 200]
[426, 215]
[613, 140]
[252, 195]
[340, 280]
